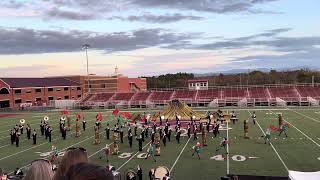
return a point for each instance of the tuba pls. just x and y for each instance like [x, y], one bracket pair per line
[46, 119]
[22, 121]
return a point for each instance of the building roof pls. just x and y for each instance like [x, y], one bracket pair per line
[38, 82]
[198, 80]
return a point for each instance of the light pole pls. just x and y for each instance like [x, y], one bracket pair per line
[86, 47]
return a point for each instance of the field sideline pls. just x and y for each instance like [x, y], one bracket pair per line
[300, 151]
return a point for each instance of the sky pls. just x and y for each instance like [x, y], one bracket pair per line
[151, 37]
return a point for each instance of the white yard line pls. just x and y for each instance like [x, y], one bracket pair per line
[132, 157]
[64, 149]
[35, 147]
[174, 164]
[274, 149]
[304, 115]
[228, 158]
[300, 131]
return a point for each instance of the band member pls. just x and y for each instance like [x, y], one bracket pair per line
[55, 153]
[254, 116]
[151, 174]
[214, 130]
[130, 138]
[106, 152]
[178, 135]
[197, 149]
[121, 134]
[28, 131]
[154, 126]
[34, 137]
[142, 133]
[223, 144]
[195, 133]
[189, 130]
[78, 133]
[107, 131]
[96, 135]
[49, 133]
[13, 136]
[21, 128]
[208, 126]
[17, 138]
[233, 117]
[160, 121]
[139, 139]
[42, 128]
[164, 139]
[135, 129]
[151, 151]
[16, 128]
[46, 130]
[152, 136]
[139, 173]
[147, 132]
[169, 134]
[84, 125]
[64, 133]
[267, 137]
[284, 129]
[246, 129]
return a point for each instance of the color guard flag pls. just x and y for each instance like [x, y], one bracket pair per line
[115, 112]
[273, 128]
[126, 115]
[99, 117]
[65, 112]
[78, 115]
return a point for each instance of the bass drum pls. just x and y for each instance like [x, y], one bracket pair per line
[161, 172]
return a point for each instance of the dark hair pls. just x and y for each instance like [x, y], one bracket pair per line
[87, 171]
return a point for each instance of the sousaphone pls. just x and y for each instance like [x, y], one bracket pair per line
[22, 121]
[46, 119]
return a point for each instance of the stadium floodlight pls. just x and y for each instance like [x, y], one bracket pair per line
[86, 47]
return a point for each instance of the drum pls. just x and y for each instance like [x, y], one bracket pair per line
[161, 172]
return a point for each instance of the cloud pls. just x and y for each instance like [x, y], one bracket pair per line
[29, 41]
[150, 18]
[69, 15]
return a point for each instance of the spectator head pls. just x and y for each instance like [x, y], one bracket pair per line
[40, 169]
[71, 157]
[87, 171]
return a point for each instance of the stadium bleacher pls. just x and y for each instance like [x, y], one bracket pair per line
[269, 95]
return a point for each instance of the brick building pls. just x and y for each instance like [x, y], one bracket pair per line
[15, 92]
[36, 91]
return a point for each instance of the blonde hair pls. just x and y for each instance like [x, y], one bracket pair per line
[39, 170]
[70, 158]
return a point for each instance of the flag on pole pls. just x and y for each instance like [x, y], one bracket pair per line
[65, 112]
[99, 117]
[78, 116]
[126, 115]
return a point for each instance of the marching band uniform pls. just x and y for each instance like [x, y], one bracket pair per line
[21, 129]
[147, 132]
[139, 139]
[142, 134]
[84, 125]
[42, 128]
[223, 144]
[13, 136]
[28, 131]
[169, 134]
[178, 136]
[160, 131]
[78, 133]
[49, 133]
[254, 116]
[130, 139]
[208, 127]
[46, 131]
[34, 137]
[64, 133]
[189, 131]
[121, 135]
[139, 173]
[107, 132]
[164, 139]
[17, 138]
[135, 129]
[195, 133]
[152, 136]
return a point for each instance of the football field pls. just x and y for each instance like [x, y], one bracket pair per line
[300, 151]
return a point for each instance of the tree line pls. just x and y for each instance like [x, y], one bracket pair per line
[179, 80]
